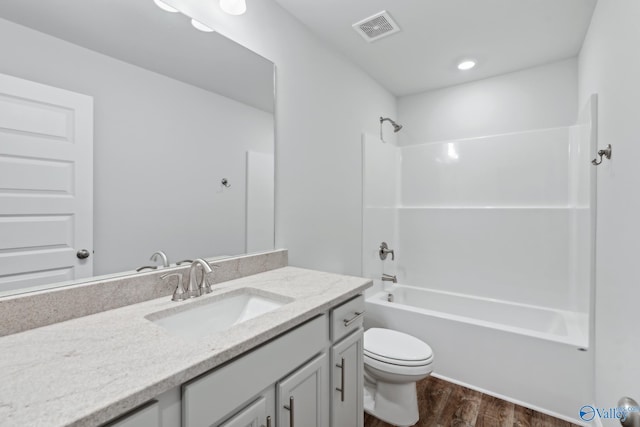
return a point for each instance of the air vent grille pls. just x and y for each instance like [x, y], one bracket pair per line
[377, 26]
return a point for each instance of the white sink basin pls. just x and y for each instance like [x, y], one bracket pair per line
[202, 318]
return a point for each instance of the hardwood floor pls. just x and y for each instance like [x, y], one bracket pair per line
[443, 404]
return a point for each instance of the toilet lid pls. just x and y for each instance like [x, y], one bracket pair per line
[396, 347]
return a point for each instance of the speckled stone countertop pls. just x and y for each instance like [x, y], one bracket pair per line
[89, 370]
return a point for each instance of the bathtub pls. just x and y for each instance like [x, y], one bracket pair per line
[533, 356]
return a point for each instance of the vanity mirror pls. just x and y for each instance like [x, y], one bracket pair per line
[169, 113]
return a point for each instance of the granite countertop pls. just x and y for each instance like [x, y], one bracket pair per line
[89, 370]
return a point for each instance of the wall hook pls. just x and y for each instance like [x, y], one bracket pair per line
[602, 153]
[225, 182]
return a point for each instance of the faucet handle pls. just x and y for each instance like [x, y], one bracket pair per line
[205, 287]
[179, 294]
[384, 250]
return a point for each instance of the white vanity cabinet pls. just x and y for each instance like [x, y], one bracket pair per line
[347, 365]
[310, 376]
[294, 365]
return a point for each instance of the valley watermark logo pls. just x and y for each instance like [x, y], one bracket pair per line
[588, 412]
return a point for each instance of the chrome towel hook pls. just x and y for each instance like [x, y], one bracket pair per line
[602, 153]
[225, 182]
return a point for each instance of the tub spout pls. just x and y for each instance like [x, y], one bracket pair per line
[389, 278]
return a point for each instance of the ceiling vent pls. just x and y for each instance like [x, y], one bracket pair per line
[376, 27]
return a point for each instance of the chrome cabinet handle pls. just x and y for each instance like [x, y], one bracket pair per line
[348, 322]
[268, 421]
[290, 409]
[341, 388]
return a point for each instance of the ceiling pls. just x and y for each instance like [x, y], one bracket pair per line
[138, 32]
[502, 35]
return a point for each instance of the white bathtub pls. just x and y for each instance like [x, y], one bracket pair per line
[534, 356]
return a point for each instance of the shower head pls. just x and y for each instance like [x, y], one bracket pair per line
[396, 127]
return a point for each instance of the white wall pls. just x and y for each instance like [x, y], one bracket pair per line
[324, 103]
[610, 67]
[160, 150]
[535, 98]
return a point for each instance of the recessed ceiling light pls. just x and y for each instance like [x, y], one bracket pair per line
[467, 64]
[234, 7]
[162, 5]
[200, 26]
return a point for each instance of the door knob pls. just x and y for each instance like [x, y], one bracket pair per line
[83, 254]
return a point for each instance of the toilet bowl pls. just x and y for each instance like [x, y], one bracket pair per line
[393, 363]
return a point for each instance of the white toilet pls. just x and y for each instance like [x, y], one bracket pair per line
[393, 363]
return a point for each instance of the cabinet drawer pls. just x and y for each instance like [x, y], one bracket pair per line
[347, 318]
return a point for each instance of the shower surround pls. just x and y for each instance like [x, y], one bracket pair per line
[505, 221]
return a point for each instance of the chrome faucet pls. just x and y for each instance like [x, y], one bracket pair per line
[389, 278]
[196, 289]
[162, 255]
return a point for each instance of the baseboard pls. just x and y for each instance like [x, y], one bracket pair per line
[595, 423]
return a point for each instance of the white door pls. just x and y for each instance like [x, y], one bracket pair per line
[46, 184]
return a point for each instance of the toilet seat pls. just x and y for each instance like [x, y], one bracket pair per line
[392, 361]
[397, 370]
[396, 348]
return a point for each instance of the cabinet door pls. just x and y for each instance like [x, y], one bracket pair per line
[146, 416]
[347, 382]
[301, 396]
[254, 415]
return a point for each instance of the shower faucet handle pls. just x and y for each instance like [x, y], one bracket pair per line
[384, 251]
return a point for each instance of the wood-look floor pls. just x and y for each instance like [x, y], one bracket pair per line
[443, 404]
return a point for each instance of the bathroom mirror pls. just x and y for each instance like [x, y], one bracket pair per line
[176, 112]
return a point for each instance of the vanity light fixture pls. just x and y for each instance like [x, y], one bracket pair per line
[162, 5]
[200, 26]
[467, 64]
[233, 7]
